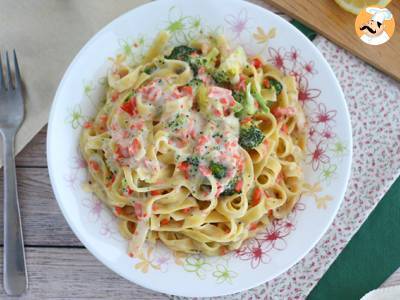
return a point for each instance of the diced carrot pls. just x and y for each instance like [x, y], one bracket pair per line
[164, 222]
[87, 125]
[266, 83]
[186, 210]
[103, 118]
[253, 226]
[223, 250]
[257, 63]
[202, 140]
[238, 186]
[114, 96]
[154, 207]
[285, 128]
[130, 191]
[134, 147]
[118, 210]
[186, 90]
[245, 120]
[241, 86]
[256, 196]
[131, 227]
[223, 101]
[94, 165]
[183, 166]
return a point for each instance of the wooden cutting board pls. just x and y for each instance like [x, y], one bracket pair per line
[328, 19]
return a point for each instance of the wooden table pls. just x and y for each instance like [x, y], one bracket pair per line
[58, 264]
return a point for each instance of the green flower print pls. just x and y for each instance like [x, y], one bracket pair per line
[196, 264]
[328, 173]
[339, 148]
[75, 117]
[223, 274]
[88, 88]
[126, 48]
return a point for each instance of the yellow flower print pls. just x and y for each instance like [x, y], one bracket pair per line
[261, 37]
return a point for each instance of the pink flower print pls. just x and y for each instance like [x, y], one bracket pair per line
[293, 54]
[95, 207]
[72, 179]
[273, 238]
[78, 163]
[318, 156]
[312, 134]
[255, 253]
[107, 229]
[299, 206]
[277, 58]
[305, 93]
[238, 23]
[322, 117]
[328, 134]
[309, 68]
[162, 263]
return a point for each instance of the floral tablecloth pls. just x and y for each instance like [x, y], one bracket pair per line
[374, 104]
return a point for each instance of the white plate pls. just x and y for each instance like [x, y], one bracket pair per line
[327, 167]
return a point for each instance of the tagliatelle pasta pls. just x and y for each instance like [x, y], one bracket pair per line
[198, 146]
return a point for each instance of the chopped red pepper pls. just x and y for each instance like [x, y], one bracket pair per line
[154, 207]
[130, 106]
[155, 193]
[257, 63]
[164, 222]
[238, 186]
[256, 196]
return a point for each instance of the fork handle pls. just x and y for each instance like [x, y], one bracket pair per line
[15, 277]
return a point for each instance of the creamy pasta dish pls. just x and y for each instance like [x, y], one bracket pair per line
[199, 146]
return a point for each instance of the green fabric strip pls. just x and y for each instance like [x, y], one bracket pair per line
[311, 34]
[371, 256]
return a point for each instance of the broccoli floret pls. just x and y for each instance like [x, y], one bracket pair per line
[221, 78]
[184, 53]
[218, 170]
[276, 85]
[149, 69]
[238, 96]
[230, 189]
[250, 137]
[195, 83]
[181, 53]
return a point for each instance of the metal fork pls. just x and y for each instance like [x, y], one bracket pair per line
[11, 116]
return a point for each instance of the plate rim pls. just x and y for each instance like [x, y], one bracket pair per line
[138, 279]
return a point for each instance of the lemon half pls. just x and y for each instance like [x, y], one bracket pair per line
[355, 6]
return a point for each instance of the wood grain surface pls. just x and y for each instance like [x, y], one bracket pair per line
[327, 18]
[59, 267]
